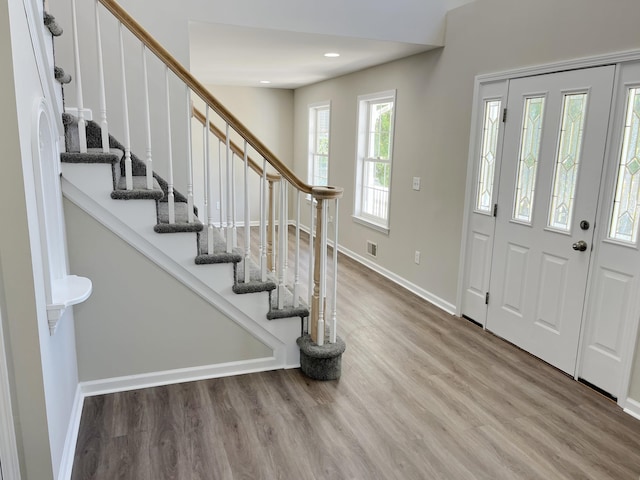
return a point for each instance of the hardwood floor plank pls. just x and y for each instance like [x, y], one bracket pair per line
[423, 395]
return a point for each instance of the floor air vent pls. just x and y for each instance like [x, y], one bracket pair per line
[372, 249]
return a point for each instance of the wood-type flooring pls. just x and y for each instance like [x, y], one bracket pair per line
[423, 395]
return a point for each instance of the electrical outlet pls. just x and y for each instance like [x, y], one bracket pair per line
[416, 257]
[416, 183]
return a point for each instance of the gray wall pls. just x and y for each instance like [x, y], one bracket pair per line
[139, 319]
[434, 99]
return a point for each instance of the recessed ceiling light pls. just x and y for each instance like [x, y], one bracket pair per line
[331, 55]
[265, 81]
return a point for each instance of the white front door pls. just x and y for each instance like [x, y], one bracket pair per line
[552, 161]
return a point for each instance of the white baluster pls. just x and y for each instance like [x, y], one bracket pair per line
[296, 281]
[171, 197]
[104, 125]
[230, 225]
[234, 215]
[220, 187]
[311, 250]
[209, 188]
[334, 303]
[82, 125]
[247, 220]
[263, 222]
[205, 169]
[125, 109]
[282, 244]
[273, 231]
[149, 157]
[190, 214]
[323, 273]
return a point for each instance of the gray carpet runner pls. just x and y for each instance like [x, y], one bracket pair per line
[159, 193]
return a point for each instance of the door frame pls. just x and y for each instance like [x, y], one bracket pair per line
[617, 59]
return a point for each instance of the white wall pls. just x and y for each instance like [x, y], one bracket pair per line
[139, 319]
[43, 367]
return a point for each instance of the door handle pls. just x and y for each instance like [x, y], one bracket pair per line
[580, 246]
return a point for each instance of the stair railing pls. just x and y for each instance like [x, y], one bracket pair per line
[267, 257]
[229, 133]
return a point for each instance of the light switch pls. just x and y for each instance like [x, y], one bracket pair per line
[416, 183]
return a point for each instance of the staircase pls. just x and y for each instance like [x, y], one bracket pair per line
[197, 236]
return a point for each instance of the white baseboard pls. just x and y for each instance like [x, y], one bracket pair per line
[168, 377]
[632, 407]
[69, 450]
[412, 287]
[395, 278]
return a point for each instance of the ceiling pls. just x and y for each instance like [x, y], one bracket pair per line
[263, 44]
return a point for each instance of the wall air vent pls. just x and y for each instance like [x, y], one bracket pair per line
[372, 248]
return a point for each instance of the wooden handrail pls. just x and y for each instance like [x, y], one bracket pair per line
[198, 115]
[183, 74]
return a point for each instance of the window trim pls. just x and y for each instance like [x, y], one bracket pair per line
[310, 156]
[364, 102]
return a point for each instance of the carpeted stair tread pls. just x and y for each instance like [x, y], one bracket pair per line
[93, 155]
[255, 283]
[139, 191]
[288, 309]
[219, 254]
[181, 222]
[97, 156]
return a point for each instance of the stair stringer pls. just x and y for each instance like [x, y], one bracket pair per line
[89, 187]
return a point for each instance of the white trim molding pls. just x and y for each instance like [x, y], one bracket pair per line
[180, 375]
[69, 450]
[632, 407]
[403, 282]
[448, 307]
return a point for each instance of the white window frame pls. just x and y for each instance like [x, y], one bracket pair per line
[364, 105]
[313, 132]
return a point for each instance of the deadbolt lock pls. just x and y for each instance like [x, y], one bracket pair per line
[584, 225]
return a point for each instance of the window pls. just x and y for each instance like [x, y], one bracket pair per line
[489, 149]
[319, 120]
[626, 205]
[530, 139]
[374, 159]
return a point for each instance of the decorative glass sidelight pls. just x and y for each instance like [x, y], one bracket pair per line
[529, 156]
[567, 161]
[625, 214]
[490, 129]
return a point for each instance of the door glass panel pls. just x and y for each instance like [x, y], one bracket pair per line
[567, 161]
[529, 156]
[624, 218]
[490, 128]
